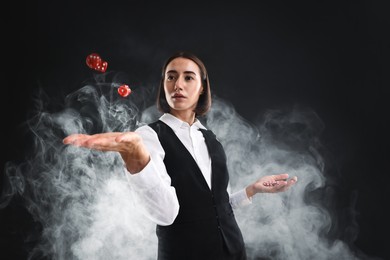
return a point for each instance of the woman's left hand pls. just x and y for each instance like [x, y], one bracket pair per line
[271, 184]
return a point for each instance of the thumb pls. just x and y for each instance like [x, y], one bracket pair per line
[292, 181]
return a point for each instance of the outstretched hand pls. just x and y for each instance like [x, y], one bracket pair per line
[271, 184]
[128, 144]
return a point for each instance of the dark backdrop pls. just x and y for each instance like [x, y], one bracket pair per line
[331, 56]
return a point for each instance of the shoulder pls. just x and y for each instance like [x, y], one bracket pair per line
[150, 139]
[155, 128]
[145, 130]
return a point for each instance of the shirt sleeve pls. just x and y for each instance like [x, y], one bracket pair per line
[153, 184]
[239, 199]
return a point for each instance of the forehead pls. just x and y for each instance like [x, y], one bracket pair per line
[182, 64]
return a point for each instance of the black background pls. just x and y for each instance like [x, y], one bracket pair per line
[331, 56]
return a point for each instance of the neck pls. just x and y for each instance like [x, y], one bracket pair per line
[185, 116]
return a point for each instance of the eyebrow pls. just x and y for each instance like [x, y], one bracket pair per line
[185, 72]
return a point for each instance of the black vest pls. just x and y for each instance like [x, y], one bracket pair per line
[205, 223]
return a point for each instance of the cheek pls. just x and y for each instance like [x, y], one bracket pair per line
[166, 89]
[199, 90]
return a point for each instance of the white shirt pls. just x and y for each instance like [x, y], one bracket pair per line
[153, 184]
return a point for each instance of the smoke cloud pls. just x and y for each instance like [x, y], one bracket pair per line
[87, 210]
[289, 225]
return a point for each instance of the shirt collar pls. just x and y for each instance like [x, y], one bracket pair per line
[175, 123]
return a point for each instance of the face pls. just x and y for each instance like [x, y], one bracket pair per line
[182, 85]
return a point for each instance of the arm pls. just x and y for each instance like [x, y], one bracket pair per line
[153, 184]
[129, 145]
[143, 157]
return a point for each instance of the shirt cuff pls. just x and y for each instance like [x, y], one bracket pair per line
[146, 178]
[241, 199]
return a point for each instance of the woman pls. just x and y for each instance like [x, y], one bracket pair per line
[179, 169]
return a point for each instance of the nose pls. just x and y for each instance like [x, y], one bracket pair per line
[179, 83]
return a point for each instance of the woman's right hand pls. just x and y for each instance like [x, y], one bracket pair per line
[128, 144]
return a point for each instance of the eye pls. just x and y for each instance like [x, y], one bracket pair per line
[188, 78]
[170, 77]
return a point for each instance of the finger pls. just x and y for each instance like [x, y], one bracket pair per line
[101, 142]
[106, 135]
[288, 183]
[88, 140]
[281, 177]
[293, 179]
[281, 183]
[71, 139]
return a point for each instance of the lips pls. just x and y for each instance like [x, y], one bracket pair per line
[178, 96]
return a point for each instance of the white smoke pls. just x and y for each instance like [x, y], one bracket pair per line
[88, 211]
[81, 197]
[294, 224]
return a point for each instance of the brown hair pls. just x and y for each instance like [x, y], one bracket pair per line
[204, 102]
